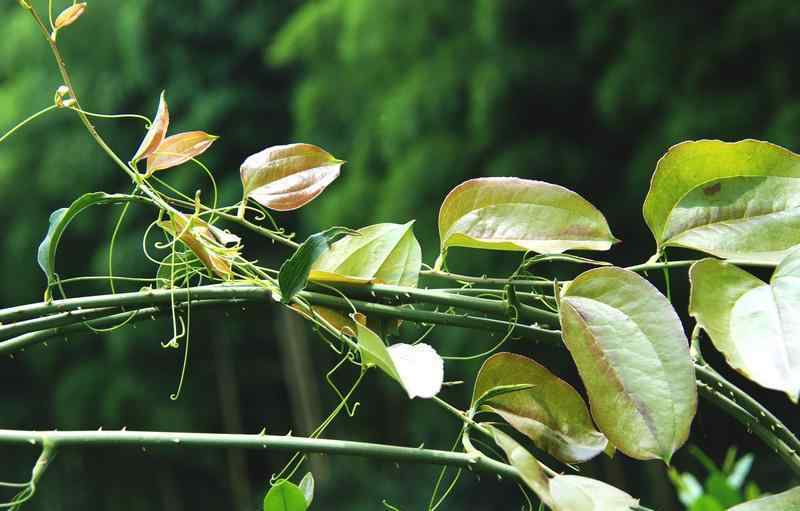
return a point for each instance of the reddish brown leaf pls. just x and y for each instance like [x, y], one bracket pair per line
[178, 149]
[210, 244]
[155, 135]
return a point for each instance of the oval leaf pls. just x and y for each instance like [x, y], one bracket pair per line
[754, 324]
[549, 410]
[507, 213]
[418, 368]
[576, 493]
[178, 149]
[786, 501]
[287, 177]
[155, 135]
[387, 253]
[633, 356]
[285, 496]
[60, 218]
[727, 199]
[69, 15]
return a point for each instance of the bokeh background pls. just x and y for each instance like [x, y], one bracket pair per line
[417, 96]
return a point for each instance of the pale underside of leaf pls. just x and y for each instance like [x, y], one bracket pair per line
[576, 493]
[178, 149]
[785, 501]
[529, 468]
[756, 218]
[633, 357]
[155, 135]
[520, 214]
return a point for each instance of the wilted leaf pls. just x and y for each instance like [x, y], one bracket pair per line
[529, 468]
[210, 244]
[754, 324]
[285, 496]
[69, 15]
[287, 177]
[506, 213]
[732, 200]
[178, 149]
[60, 218]
[633, 357]
[550, 412]
[786, 501]
[307, 487]
[418, 368]
[576, 493]
[155, 135]
[387, 253]
[293, 275]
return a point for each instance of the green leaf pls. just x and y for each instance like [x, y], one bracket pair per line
[307, 487]
[549, 411]
[728, 199]
[418, 368]
[718, 487]
[59, 220]
[754, 324]
[739, 473]
[505, 213]
[293, 275]
[786, 501]
[706, 503]
[287, 177]
[387, 253]
[285, 496]
[633, 357]
[185, 264]
[529, 468]
[576, 493]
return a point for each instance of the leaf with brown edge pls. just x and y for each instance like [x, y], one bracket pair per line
[155, 135]
[210, 244]
[287, 177]
[547, 409]
[69, 15]
[178, 149]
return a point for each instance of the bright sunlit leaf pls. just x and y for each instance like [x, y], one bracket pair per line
[68, 16]
[214, 247]
[155, 135]
[576, 493]
[178, 149]
[285, 496]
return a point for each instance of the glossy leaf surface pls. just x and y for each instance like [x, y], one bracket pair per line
[754, 324]
[178, 149]
[506, 213]
[732, 200]
[287, 177]
[156, 133]
[285, 496]
[786, 501]
[576, 493]
[549, 411]
[633, 357]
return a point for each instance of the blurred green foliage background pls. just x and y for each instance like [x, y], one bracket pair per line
[417, 95]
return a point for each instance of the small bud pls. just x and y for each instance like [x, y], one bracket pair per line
[69, 103]
[69, 15]
[58, 98]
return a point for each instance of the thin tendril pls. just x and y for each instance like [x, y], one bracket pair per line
[26, 121]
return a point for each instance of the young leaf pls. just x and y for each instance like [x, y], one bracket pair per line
[387, 253]
[549, 411]
[506, 213]
[418, 368]
[60, 218]
[178, 149]
[576, 493]
[288, 177]
[293, 275]
[633, 357]
[210, 244]
[727, 199]
[155, 135]
[285, 496]
[69, 15]
[307, 487]
[754, 324]
[786, 501]
[529, 468]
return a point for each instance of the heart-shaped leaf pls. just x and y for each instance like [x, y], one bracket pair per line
[754, 324]
[214, 247]
[387, 253]
[60, 218]
[786, 501]
[178, 149]
[287, 177]
[418, 368]
[285, 496]
[506, 213]
[549, 410]
[633, 357]
[529, 468]
[155, 135]
[576, 493]
[293, 275]
[732, 200]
